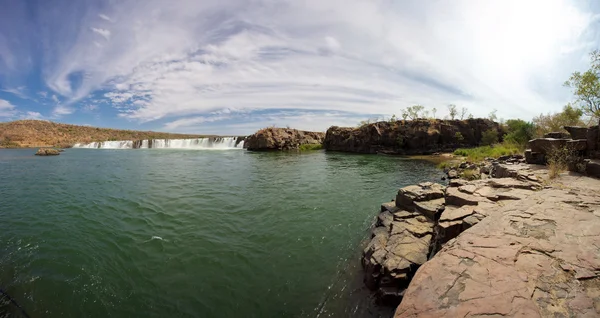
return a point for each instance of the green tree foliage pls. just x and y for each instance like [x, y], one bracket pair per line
[415, 111]
[586, 87]
[452, 111]
[404, 114]
[459, 137]
[570, 116]
[489, 137]
[519, 131]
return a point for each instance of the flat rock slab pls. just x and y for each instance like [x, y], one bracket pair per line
[537, 258]
[417, 193]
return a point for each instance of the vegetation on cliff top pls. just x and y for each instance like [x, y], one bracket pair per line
[39, 133]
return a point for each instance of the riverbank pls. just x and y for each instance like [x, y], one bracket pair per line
[447, 251]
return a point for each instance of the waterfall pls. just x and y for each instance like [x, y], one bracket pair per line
[197, 143]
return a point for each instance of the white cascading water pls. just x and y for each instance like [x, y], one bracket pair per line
[198, 143]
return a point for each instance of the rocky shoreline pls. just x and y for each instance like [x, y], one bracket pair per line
[507, 245]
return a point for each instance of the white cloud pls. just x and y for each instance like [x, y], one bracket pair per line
[343, 56]
[31, 115]
[90, 107]
[103, 32]
[105, 17]
[55, 99]
[6, 108]
[43, 94]
[17, 91]
[62, 110]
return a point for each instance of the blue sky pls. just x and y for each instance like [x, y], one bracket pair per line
[232, 67]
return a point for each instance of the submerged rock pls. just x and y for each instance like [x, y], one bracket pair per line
[47, 152]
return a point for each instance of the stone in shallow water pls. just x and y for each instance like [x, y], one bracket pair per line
[47, 152]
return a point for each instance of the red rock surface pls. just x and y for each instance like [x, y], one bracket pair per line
[535, 256]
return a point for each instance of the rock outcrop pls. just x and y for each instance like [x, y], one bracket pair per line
[424, 217]
[282, 139]
[47, 152]
[534, 255]
[505, 245]
[583, 143]
[421, 136]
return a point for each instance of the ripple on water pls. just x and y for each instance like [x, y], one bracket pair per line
[192, 233]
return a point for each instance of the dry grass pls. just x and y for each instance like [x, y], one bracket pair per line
[558, 161]
[40, 133]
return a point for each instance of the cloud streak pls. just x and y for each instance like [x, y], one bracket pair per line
[310, 61]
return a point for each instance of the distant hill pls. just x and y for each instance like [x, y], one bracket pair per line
[41, 133]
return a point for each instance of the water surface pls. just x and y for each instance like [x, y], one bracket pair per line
[176, 233]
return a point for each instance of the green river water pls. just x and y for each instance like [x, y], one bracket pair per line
[191, 233]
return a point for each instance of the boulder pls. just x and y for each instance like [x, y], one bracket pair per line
[47, 152]
[577, 132]
[592, 168]
[577, 145]
[282, 139]
[452, 174]
[557, 135]
[534, 158]
[416, 193]
[546, 145]
[593, 138]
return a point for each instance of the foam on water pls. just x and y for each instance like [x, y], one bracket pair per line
[221, 143]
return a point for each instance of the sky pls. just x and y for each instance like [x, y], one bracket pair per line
[235, 66]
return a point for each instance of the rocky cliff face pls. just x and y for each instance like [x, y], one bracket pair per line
[409, 137]
[508, 244]
[282, 139]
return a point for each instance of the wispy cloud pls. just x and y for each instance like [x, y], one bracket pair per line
[31, 115]
[17, 91]
[105, 17]
[103, 32]
[184, 64]
[62, 110]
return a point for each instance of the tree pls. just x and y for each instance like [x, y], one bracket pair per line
[570, 116]
[586, 87]
[519, 131]
[414, 112]
[452, 110]
[404, 114]
[433, 111]
[463, 112]
[492, 116]
[489, 137]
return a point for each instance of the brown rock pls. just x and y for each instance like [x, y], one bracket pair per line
[282, 139]
[415, 193]
[546, 145]
[537, 258]
[577, 132]
[458, 198]
[408, 137]
[47, 152]
[577, 145]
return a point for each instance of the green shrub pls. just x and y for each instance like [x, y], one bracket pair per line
[480, 153]
[519, 131]
[310, 147]
[459, 137]
[489, 137]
